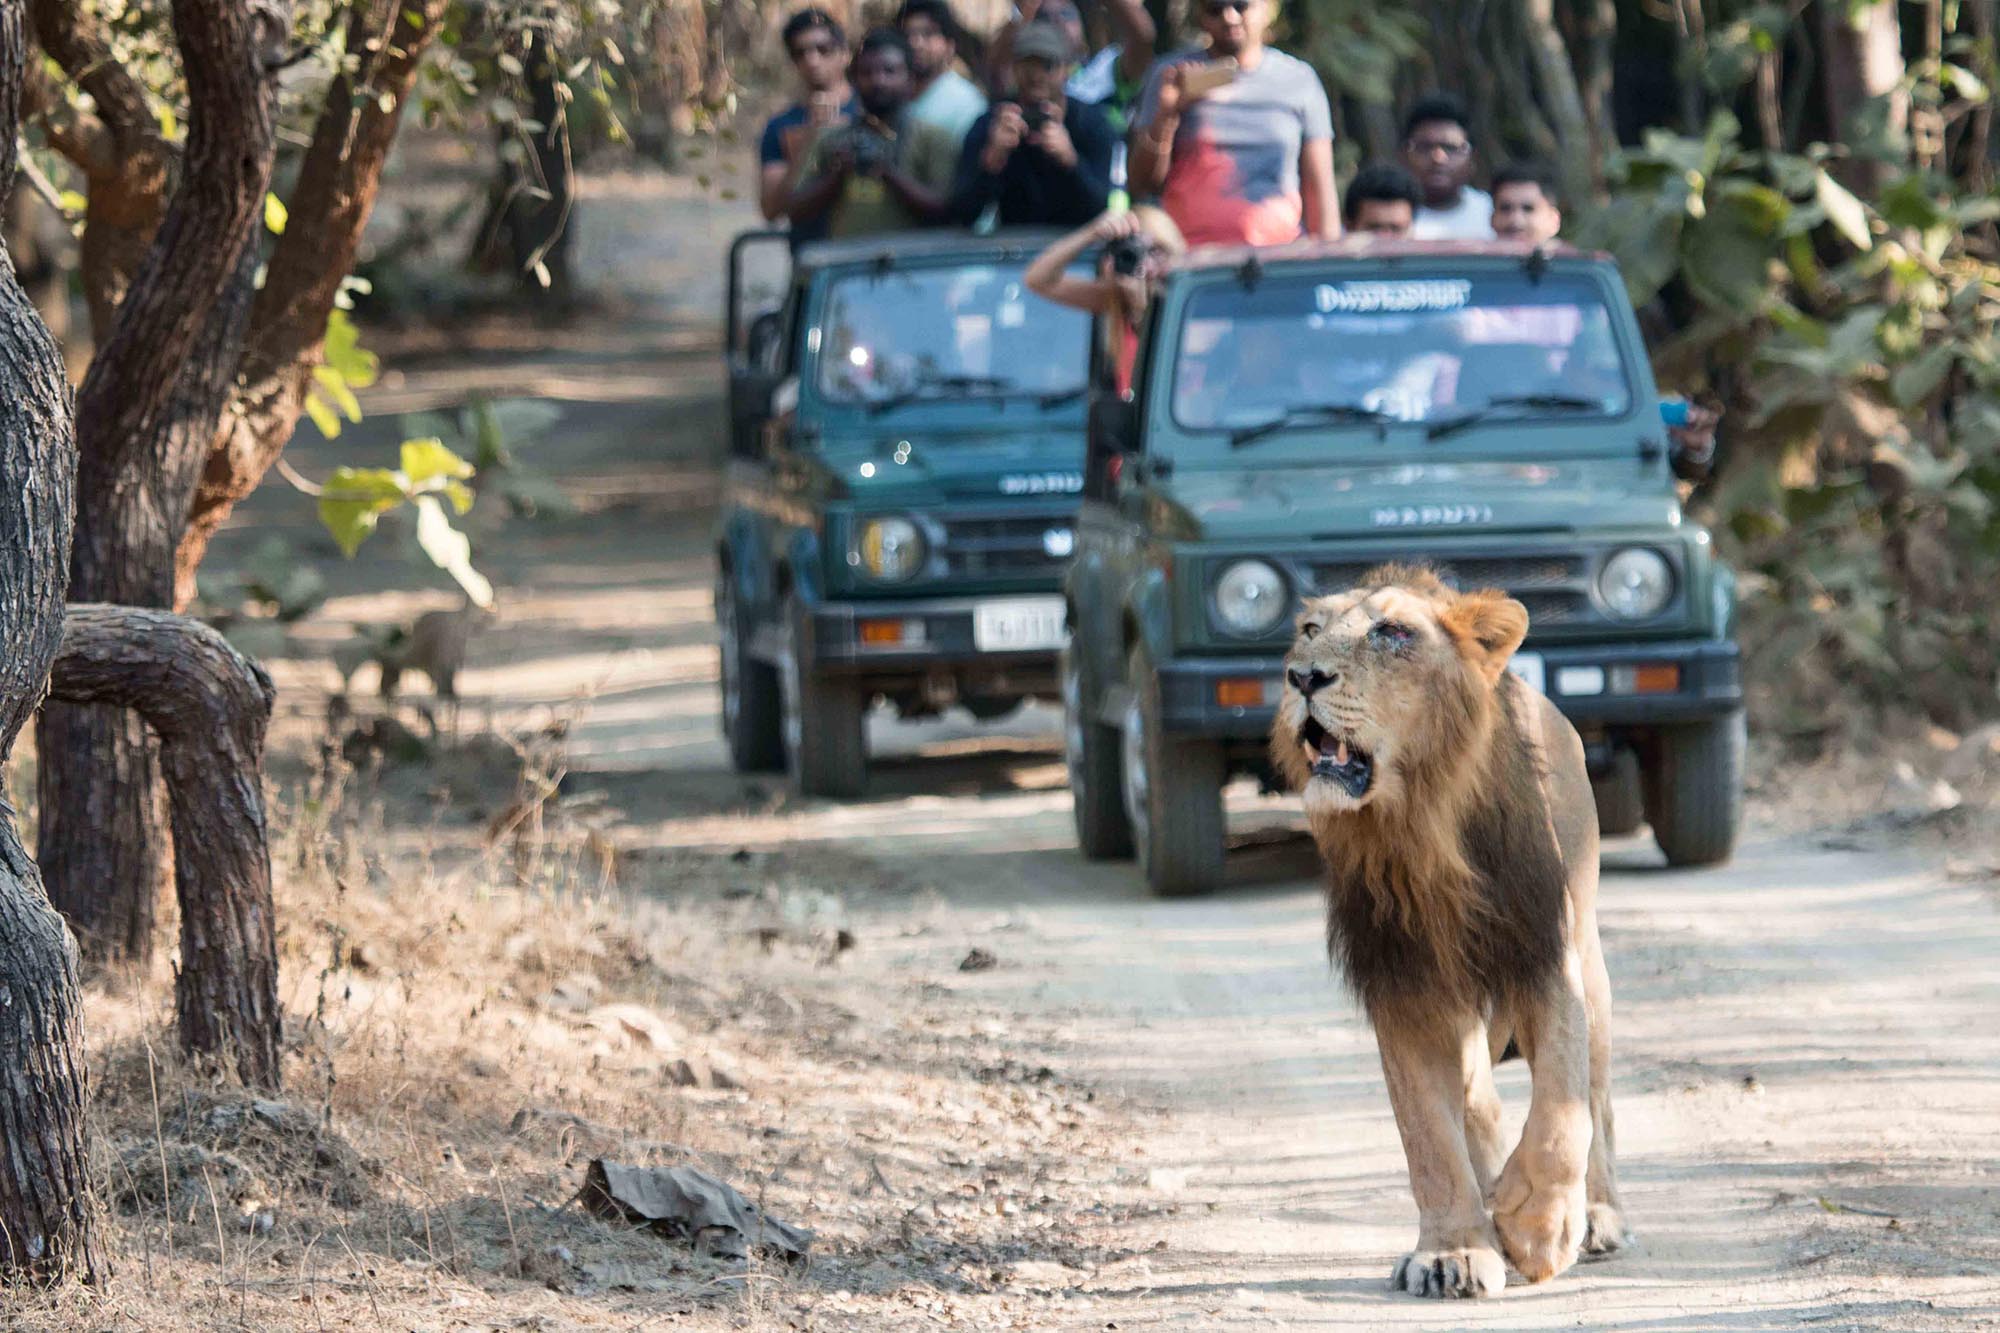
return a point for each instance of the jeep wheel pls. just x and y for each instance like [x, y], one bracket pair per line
[826, 741]
[1695, 799]
[1103, 831]
[1621, 806]
[1173, 794]
[752, 710]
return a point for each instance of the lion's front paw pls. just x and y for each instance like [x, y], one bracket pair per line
[1473, 1271]
[1541, 1228]
[1604, 1231]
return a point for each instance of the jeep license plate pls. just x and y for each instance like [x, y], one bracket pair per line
[1530, 668]
[1019, 625]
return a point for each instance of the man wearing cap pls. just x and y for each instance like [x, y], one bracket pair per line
[1039, 156]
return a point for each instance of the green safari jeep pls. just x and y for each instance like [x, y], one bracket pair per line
[1301, 415]
[906, 448]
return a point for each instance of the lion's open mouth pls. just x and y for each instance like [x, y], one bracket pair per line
[1338, 759]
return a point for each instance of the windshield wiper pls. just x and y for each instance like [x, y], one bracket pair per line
[1547, 402]
[1061, 397]
[1300, 414]
[927, 384]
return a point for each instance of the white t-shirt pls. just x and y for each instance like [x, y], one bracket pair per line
[951, 103]
[1470, 219]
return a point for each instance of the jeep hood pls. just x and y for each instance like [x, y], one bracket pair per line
[1309, 503]
[936, 467]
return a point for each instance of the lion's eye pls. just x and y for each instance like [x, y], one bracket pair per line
[1311, 629]
[1392, 634]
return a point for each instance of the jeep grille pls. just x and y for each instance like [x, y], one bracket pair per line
[1007, 545]
[1554, 587]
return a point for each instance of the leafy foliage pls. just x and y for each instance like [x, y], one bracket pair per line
[1854, 336]
[430, 477]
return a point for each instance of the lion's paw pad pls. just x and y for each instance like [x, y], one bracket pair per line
[1605, 1231]
[1445, 1274]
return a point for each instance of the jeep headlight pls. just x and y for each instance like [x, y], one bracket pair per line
[1635, 583]
[1250, 597]
[890, 549]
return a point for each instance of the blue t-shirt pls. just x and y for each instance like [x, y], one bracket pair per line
[773, 149]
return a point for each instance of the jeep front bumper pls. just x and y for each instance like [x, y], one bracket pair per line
[1594, 686]
[1010, 636]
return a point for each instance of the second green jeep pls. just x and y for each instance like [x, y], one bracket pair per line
[905, 455]
[1303, 415]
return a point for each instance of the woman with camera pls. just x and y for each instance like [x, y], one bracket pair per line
[1137, 243]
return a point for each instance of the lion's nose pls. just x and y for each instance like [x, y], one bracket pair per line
[1308, 683]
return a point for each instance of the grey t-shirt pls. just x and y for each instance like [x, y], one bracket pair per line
[1234, 177]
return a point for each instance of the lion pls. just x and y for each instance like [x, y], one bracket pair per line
[1451, 805]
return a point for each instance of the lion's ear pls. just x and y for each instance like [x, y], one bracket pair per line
[1487, 626]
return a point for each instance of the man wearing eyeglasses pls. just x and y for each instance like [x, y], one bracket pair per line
[818, 49]
[1237, 139]
[1437, 148]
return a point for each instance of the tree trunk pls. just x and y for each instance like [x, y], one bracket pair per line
[209, 705]
[146, 416]
[48, 1226]
[118, 149]
[1864, 66]
[1576, 158]
[329, 210]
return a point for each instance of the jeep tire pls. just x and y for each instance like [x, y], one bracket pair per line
[1096, 790]
[1173, 794]
[1621, 805]
[826, 739]
[1694, 800]
[753, 720]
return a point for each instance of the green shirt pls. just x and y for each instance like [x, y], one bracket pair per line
[867, 204]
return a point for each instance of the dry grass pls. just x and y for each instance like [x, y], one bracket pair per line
[483, 994]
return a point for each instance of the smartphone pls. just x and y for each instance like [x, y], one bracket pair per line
[1206, 77]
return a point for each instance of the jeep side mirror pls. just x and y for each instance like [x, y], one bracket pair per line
[1112, 432]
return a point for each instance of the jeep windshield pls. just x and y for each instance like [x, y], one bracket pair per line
[1303, 352]
[894, 336]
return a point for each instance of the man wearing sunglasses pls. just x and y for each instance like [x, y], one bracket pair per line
[1237, 140]
[818, 49]
[1437, 148]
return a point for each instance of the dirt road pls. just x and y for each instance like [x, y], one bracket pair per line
[1808, 1048]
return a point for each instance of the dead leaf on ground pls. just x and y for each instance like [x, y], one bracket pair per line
[693, 1206]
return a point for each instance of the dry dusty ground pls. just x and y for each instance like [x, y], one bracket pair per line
[1144, 1115]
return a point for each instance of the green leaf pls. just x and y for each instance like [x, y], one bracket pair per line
[426, 463]
[1916, 381]
[322, 414]
[275, 215]
[354, 499]
[1843, 210]
[344, 353]
[450, 550]
[335, 386]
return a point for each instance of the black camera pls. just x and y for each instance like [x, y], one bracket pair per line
[1128, 255]
[871, 153]
[1034, 117]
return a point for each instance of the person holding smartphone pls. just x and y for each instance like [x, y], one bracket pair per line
[1237, 139]
[818, 49]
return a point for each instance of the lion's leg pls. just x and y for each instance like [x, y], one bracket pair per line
[1427, 1063]
[1606, 1229]
[1538, 1203]
[1483, 1140]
